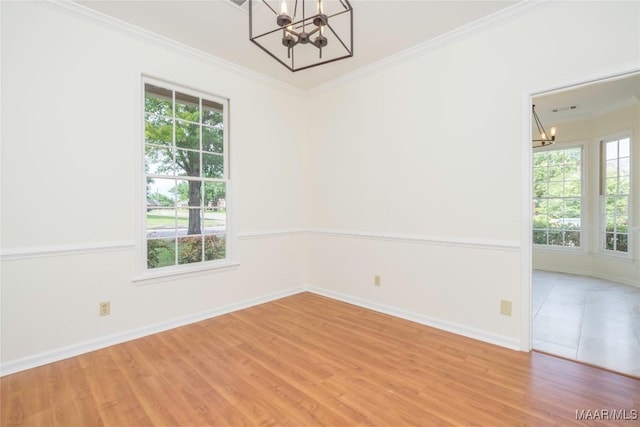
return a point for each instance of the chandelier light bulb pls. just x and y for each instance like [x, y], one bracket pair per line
[553, 131]
[283, 7]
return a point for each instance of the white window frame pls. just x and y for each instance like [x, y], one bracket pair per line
[601, 197]
[584, 240]
[143, 273]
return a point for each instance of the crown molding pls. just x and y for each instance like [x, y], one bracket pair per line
[92, 15]
[521, 8]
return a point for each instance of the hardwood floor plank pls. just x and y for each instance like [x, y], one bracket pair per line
[307, 360]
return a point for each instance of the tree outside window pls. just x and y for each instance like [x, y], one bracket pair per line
[557, 192]
[186, 177]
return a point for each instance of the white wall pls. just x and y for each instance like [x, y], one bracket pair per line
[590, 260]
[414, 174]
[70, 155]
[418, 175]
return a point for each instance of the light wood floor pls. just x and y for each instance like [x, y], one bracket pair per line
[307, 360]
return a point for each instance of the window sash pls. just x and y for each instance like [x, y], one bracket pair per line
[192, 151]
[558, 182]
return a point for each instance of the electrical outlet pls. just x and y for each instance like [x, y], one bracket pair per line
[505, 307]
[105, 308]
[376, 280]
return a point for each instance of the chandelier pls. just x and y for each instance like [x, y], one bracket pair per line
[545, 139]
[301, 34]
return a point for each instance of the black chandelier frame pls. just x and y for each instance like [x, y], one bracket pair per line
[294, 33]
[544, 140]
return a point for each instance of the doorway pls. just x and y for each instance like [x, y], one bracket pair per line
[585, 292]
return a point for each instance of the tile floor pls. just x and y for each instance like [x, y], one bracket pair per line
[587, 319]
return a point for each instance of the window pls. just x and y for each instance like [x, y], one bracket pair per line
[557, 192]
[186, 175]
[615, 181]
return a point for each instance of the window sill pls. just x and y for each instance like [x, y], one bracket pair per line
[180, 273]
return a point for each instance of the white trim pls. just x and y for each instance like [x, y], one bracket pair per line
[499, 245]
[146, 35]
[185, 270]
[270, 234]
[596, 274]
[477, 334]
[62, 250]
[526, 236]
[132, 334]
[453, 35]
[80, 249]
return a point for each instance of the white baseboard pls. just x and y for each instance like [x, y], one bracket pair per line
[596, 274]
[99, 343]
[102, 342]
[444, 325]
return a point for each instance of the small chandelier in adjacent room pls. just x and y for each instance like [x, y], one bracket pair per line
[301, 34]
[545, 138]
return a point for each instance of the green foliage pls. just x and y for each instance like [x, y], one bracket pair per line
[557, 190]
[161, 252]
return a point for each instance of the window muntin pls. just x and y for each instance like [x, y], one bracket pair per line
[615, 187]
[186, 175]
[557, 192]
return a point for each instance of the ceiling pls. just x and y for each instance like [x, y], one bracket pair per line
[588, 100]
[220, 28]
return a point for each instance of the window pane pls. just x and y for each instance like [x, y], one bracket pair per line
[555, 238]
[212, 165]
[189, 193]
[160, 253]
[162, 222]
[158, 130]
[612, 168]
[158, 161]
[161, 191]
[540, 237]
[187, 163]
[572, 238]
[612, 185]
[214, 195]
[556, 188]
[624, 185]
[189, 249]
[572, 188]
[622, 242]
[187, 107]
[622, 210]
[214, 247]
[624, 166]
[624, 147]
[212, 139]
[187, 135]
[211, 113]
[612, 150]
[572, 172]
[609, 241]
[158, 100]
